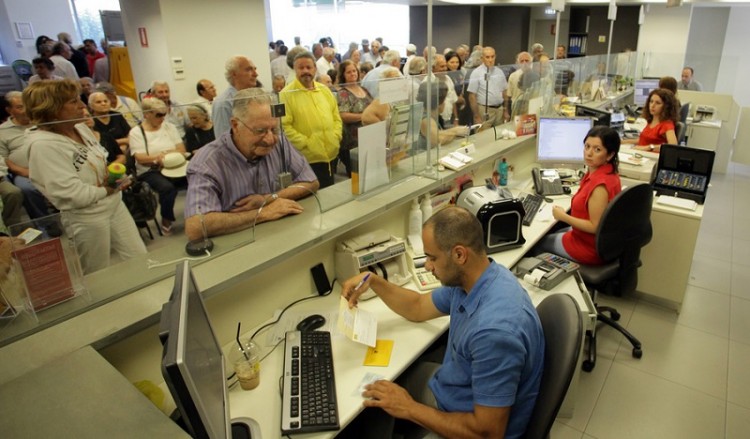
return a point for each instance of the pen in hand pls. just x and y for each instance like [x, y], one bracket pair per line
[362, 282]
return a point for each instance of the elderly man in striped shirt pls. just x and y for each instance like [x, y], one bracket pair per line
[230, 178]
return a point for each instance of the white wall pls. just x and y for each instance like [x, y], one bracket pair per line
[704, 47]
[47, 17]
[735, 59]
[203, 33]
[662, 41]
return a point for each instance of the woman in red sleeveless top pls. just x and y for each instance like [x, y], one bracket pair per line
[598, 187]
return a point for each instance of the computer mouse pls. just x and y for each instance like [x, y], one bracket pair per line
[311, 323]
[566, 189]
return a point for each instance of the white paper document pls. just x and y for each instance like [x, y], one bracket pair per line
[357, 324]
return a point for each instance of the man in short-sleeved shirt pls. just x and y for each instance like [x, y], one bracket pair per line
[489, 380]
[231, 178]
[488, 91]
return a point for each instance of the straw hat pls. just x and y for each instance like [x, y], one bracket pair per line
[174, 165]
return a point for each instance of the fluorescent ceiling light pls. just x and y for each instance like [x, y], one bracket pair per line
[468, 2]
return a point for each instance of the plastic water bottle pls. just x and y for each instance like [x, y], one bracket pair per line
[415, 219]
[426, 207]
[502, 170]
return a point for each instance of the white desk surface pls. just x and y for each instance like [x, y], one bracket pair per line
[79, 395]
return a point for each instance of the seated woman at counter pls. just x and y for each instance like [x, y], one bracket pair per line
[68, 166]
[430, 124]
[661, 114]
[598, 187]
[377, 112]
[149, 144]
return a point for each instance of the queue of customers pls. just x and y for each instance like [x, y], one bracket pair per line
[322, 114]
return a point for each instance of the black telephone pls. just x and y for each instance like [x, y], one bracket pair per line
[547, 182]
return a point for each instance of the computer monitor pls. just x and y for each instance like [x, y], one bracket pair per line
[560, 141]
[600, 117]
[642, 89]
[193, 364]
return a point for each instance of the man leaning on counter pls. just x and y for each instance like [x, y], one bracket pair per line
[231, 178]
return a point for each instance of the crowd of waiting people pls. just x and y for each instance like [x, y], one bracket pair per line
[327, 96]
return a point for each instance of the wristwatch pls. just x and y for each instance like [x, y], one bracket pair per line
[651, 147]
[274, 196]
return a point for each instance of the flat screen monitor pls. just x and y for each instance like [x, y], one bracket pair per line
[560, 141]
[600, 117]
[642, 89]
[192, 360]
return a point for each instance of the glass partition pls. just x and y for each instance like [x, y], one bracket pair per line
[416, 111]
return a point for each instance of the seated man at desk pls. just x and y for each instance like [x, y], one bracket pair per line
[598, 187]
[231, 178]
[661, 113]
[489, 380]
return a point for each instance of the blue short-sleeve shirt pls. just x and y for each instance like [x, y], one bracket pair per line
[495, 353]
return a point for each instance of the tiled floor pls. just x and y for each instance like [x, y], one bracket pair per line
[694, 378]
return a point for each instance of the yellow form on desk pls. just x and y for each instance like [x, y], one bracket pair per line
[357, 324]
[380, 355]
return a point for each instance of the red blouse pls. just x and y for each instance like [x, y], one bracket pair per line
[656, 135]
[580, 245]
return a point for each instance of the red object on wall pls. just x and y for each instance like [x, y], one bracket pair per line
[143, 36]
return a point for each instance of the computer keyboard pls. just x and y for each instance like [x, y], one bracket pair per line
[309, 389]
[531, 205]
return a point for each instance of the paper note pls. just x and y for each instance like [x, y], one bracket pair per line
[357, 324]
[380, 355]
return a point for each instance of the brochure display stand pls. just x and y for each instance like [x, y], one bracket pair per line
[45, 268]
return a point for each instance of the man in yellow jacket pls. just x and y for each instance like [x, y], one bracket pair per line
[312, 122]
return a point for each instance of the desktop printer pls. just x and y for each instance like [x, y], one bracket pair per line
[378, 252]
[501, 217]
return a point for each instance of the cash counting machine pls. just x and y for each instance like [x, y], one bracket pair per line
[378, 252]
[501, 217]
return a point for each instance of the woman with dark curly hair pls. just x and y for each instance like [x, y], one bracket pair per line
[661, 112]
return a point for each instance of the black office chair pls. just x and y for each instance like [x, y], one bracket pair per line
[624, 228]
[684, 110]
[680, 129]
[563, 335]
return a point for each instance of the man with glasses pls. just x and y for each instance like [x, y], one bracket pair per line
[244, 170]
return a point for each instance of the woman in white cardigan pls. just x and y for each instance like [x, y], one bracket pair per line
[68, 165]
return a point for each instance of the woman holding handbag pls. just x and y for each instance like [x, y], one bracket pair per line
[150, 142]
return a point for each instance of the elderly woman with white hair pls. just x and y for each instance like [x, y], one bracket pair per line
[150, 142]
[108, 121]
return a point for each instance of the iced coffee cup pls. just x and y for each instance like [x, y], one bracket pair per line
[246, 364]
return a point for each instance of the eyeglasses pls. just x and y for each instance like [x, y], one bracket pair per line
[160, 115]
[260, 132]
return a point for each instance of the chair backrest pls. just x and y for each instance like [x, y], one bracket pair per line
[684, 110]
[563, 334]
[624, 228]
[680, 129]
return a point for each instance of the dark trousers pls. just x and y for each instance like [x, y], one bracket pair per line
[166, 189]
[324, 172]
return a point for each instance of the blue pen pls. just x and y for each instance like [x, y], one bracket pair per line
[362, 282]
